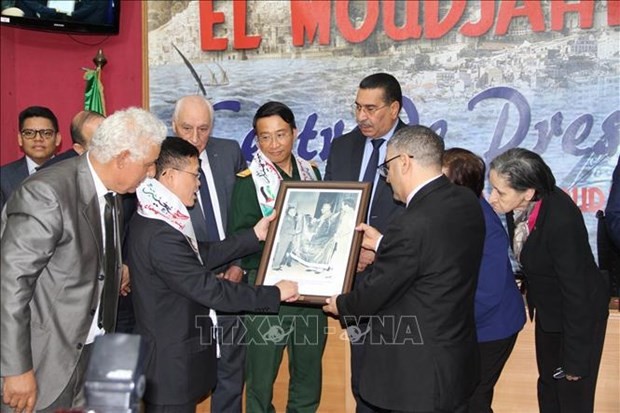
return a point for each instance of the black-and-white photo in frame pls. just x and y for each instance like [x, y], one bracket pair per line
[313, 239]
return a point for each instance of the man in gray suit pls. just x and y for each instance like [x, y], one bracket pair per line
[39, 138]
[220, 160]
[52, 263]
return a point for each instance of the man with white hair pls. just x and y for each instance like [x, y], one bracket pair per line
[60, 264]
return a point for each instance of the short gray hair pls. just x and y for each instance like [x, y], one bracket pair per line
[421, 142]
[127, 130]
[523, 169]
[181, 101]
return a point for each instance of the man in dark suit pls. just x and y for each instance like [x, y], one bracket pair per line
[174, 289]
[83, 127]
[60, 263]
[421, 353]
[353, 157]
[220, 160]
[609, 255]
[612, 211]
[39, 138]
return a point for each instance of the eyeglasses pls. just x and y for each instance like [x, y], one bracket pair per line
[384, 169]
[200, 130]
[368, 109]
[281, 137]
[196, 175]
[32, 133]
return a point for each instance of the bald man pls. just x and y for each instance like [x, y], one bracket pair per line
[83, 127]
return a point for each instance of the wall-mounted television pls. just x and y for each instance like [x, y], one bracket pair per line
[69, 16]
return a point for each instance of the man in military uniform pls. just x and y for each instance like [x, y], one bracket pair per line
[300, 329]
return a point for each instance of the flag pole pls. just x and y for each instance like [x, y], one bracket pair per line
[93, 96]
[100, 60]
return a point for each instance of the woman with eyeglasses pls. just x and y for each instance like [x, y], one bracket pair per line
[564, 285]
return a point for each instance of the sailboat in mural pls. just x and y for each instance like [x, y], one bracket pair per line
[223, 77]
[192, 71]
[216, 78]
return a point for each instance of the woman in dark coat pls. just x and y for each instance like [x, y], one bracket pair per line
[564, 285]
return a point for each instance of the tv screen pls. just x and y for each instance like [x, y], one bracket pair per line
[71, 16]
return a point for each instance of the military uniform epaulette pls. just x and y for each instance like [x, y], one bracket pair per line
[245, 173]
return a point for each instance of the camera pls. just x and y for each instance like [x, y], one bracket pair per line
[115, 379]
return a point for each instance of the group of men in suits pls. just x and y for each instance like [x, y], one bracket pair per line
[39, 150]
[425, 266]
[60, 269]
[175, 289]
[60, 233]
[220, 160]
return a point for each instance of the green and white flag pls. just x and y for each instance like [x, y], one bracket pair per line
[93, 96]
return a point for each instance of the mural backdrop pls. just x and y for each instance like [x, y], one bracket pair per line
[487, 76]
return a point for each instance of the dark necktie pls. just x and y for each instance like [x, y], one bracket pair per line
[207, 209]
[373, 162]
[109, 296]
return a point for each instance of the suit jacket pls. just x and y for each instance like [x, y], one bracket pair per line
[49, 270]
[565, 286]
[421, 351]
[612, 212]
[11, 176]
[129, 201]
[172, 293]
[71, 153]
[344, 164]
[499, 309]
[225, 160]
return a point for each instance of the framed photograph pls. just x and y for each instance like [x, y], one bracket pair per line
[313, 240]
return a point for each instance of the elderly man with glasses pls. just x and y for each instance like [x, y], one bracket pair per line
[39, 138]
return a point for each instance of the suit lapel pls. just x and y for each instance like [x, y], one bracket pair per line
[17, 175]
[382, 185]
[89, 204]
[198, 222]
[22, 172]
[534, 235]
[215, 165]
[357, 153]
